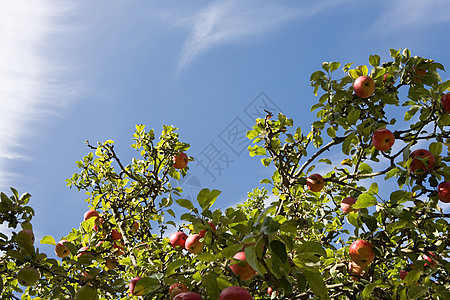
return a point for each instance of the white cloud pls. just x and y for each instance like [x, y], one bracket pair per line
[28, 74]
[234, 21]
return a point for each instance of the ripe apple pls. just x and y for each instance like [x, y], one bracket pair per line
[364, 87]
[111, 263]
[361, 252]
[61, 250]
[132, 287]
[432, 262]
[315, 182]
[383, 139]
[28, 276]
[269, 290]
[242, 268]
[355, 270]
[422, 159]
[203, 232]
[86, 292]
[188, 296]
[193, 244]
[445, 102]
[235, 292]
[90, 214]
[177, 288]
[178, 239]
[115, 234]
[26, 235]
[444, 191]
[82, 251]
[403, 274]
[180, 161]
[347, 203]
[98, 224]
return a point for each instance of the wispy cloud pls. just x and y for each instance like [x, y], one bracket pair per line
[28, 74]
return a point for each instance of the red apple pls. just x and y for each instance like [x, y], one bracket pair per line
[269, 290]
[444, 191]
[82, 251]
[177, 288]
[432, 262]
[188, 296]
[90, 214]
[28, 276]
[132, 287]
[242, 268]
[355, 270]
[315, 182]
[347, 203]
[61, 250]
[361, 252]
[203, 232]
[180, 161]
[419, 74]
[445, 102]
[364, 86]
[115, 234]
[98, 224]
[178, 239]
[235, 293]
[422, 159]
[403, 274]
[383, 139]
[193, 244]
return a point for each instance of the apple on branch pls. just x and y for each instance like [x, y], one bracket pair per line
[235, 293]
[61, 250]
[241, 267]
[444, 191]
[347, 203]
[28, 276]
[355, 271]
[445, 102]
[25, 235]
[364, 87]
[90, 214]
[178, 239]
[433, 263]
[203, 232]
[86, 292]
[383, 139]
[422, 160]
[82, 250]
[180, 161]
[315, 182]
[193, 244]
[188, 296]
[361, 252]
[176, 289]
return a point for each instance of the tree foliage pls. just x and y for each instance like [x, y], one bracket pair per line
[298, 244]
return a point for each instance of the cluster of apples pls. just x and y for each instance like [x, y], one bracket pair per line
[192, 243]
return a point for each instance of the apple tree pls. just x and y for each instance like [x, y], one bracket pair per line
[358, 212]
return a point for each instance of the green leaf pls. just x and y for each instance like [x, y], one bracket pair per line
[185, 203]
[252, 259]
[48, 240]
[417, 291]
[331, 132]
[370, 222]
[279, 249]
[146, 285]
[373, 188]
[368, 289]
[412, 277]
[229, 251]
[316, 283]
[411, 112]
[266, 161]
[212, 288]
[312, 248]
[172, 266]
[334, 66]
[436, 148]
[374, 60]
[206, 257]
[206, 198]
[353, 73]
[365, 200]
[269, 226]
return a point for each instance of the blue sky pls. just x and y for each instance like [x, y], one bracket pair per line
[92, 70]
